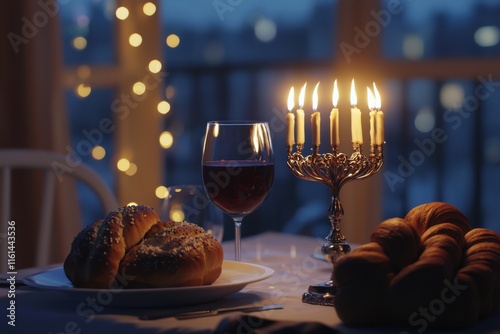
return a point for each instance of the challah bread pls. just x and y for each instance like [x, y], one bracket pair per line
[173, 254]
[97, 250]
[134, 235]
[436, 272]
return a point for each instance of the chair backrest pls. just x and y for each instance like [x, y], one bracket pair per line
[50, 162]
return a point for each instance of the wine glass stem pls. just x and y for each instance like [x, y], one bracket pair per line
[237, 239]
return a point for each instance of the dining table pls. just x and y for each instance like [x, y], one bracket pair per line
[291, 264]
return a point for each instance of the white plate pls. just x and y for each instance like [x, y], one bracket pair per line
[234, 277]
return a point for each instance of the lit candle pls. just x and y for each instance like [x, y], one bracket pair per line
[300, 117]
[334, 118]
[356, 131]
[379, 118]
[371, 106]
[290, 119]
[315, 119]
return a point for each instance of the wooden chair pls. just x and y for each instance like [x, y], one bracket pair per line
[47, 161]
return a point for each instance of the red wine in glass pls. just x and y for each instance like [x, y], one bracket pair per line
[238, 186]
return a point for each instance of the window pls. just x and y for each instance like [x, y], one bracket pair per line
[435, 62]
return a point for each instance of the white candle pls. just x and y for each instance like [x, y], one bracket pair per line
[334, 118]
[380, 128]
[371, 106]
[316, 124]
[300, 117]
[379, 118]
[356, 130]
[316, 119]
[290, 119]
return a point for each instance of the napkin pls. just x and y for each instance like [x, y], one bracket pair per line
[256, 325]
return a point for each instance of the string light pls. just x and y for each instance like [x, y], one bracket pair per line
[122, 13]
[166, 139]
[154, 66]
[135, 39]
[123, 164]
[131, 170]
[161, 192]
[163, 107]
[139, 88]
[149, 8]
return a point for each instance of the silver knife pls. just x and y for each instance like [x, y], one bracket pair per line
[207, 313]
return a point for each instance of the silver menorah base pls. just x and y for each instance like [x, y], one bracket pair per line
[334, 170]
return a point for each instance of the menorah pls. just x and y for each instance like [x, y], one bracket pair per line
[333, 169]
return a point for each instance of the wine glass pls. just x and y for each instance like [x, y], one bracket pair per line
[237, 168]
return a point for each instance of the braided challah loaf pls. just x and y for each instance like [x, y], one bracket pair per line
[174, 254]
[429, 269]
[132, 248]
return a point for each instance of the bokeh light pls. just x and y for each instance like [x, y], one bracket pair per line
[149, 8]
[451, 95]
[173, 40]
[166, 139]
[413, 47]
[161, 192]
[425, 120]
[79, 43]
[135, 40]
[123, 164]
[122, 13]
[265, 30]
[487, 36]
[131, 170]
[98, 153]
[163, 107]
[83, 90]
[139, 88]
[154, 66]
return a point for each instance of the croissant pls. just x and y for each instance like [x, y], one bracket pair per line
[131, 248]
[430, 269]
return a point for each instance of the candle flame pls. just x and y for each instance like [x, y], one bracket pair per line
[378, 102]
[291, 101]
[371, 99]
[335, 94]
[315, 97]
[354, 98]
[302, 96]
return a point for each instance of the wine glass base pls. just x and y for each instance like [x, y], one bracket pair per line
[320, 294]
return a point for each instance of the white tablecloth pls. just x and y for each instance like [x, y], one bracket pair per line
[288, 255]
